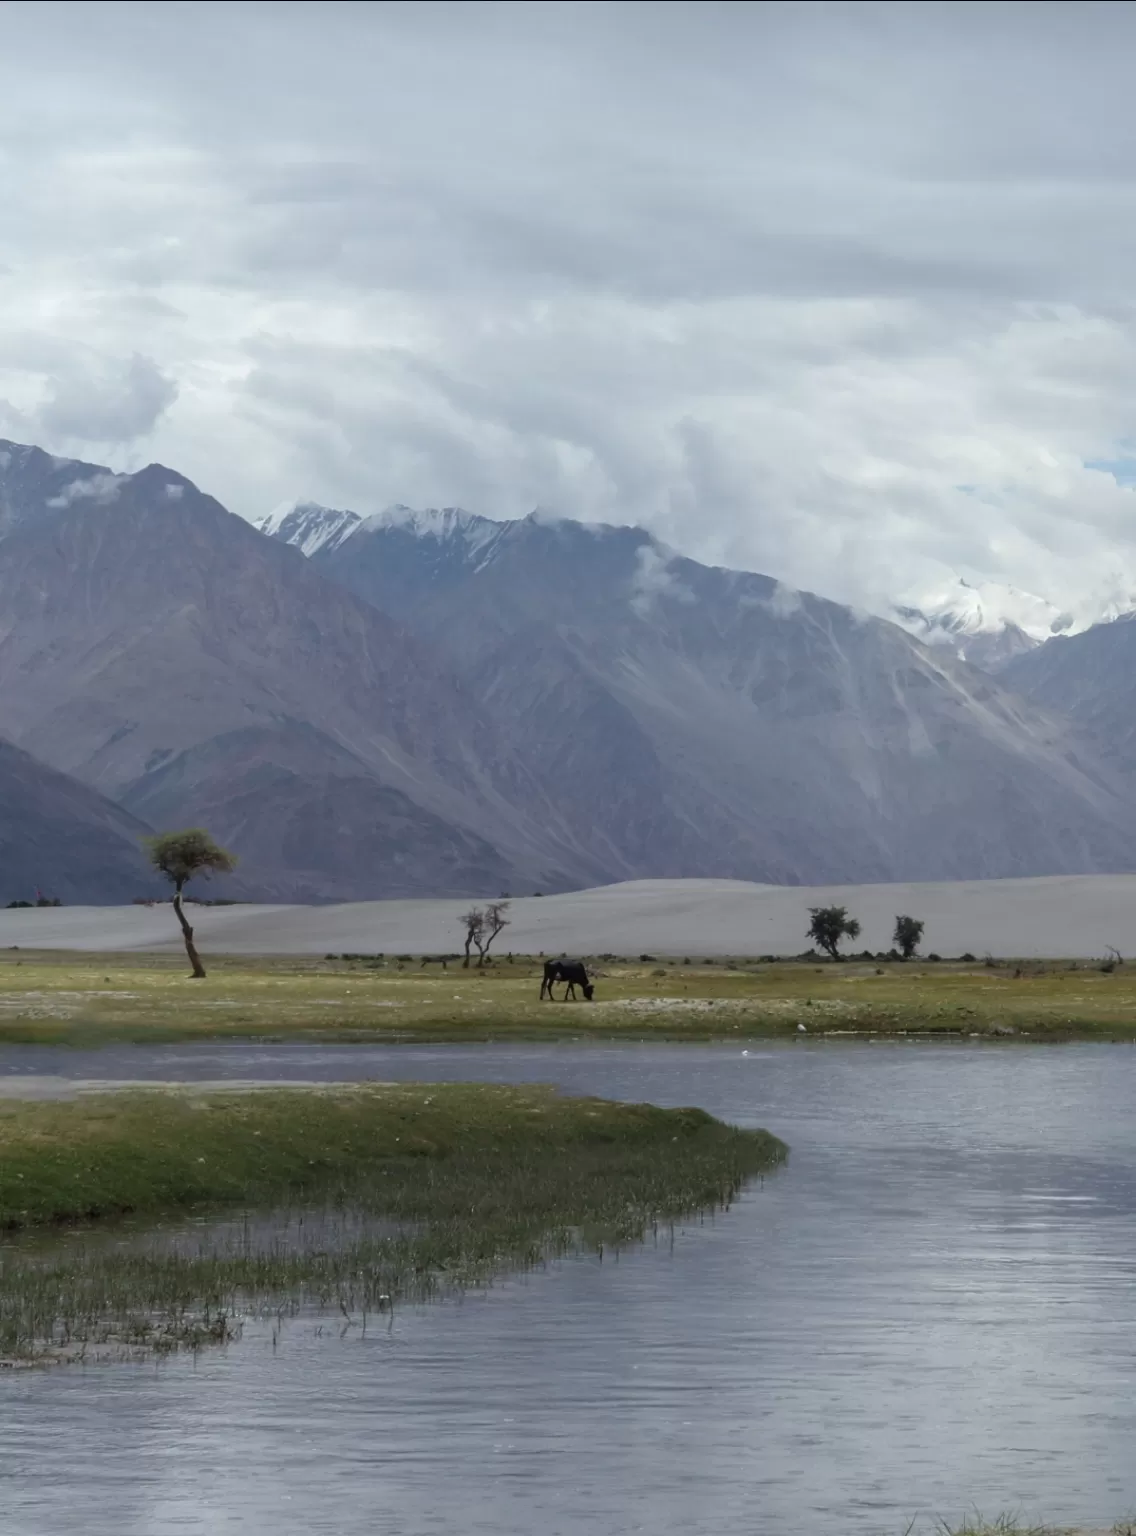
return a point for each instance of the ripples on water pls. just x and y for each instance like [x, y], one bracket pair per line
[930, 1309]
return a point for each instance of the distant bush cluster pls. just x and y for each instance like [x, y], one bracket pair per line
[40, 901]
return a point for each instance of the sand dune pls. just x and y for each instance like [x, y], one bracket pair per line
[1067, 915]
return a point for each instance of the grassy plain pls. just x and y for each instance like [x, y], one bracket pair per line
[428, 1186]
[85, 1000]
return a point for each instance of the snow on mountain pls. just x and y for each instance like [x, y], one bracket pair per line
[681, 716]
[466, 534]
[308, 525]
[986, 623]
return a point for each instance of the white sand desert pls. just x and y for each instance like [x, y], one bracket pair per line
[1059, 916]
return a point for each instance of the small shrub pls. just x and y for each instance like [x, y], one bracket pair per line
[934, 958]
[968, 958]
[646, 959]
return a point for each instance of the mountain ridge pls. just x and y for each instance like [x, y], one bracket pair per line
[435, 702]
[594, 639]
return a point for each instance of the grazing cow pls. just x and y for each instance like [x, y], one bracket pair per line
[572, 973]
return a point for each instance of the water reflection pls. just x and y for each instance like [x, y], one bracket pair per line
[930, 1309]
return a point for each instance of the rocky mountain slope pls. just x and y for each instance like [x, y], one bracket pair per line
[698, 721]
[1091, 679]
[61, 839]
[433, 702]
[163, 651]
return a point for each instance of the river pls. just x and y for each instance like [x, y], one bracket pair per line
[931, 1309]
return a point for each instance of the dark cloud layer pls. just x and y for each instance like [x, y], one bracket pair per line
[843, 292]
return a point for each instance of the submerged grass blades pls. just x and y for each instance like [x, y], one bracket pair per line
[477, 1180]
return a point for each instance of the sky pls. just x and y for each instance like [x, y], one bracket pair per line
[842, 293]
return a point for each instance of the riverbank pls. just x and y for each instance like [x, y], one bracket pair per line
[413, 1188]
[82, 1000]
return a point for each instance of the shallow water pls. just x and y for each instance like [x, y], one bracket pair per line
[931, 1308]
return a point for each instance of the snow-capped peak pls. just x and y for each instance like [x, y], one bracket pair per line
[309, 526]
[984, 622]
[964, 608]
[443, 523]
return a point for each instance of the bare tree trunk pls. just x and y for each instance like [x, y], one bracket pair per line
[187, 935]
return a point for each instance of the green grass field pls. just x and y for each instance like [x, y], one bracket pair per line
[85, 1000]
[375, 1193]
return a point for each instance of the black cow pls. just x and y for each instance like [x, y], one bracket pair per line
[572, 973]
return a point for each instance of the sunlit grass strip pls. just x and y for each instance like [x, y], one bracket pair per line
[483, 1179]
[85, 1001]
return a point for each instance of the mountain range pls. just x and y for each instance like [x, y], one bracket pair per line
[433, 702]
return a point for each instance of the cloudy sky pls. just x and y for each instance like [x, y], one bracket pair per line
[845, 293]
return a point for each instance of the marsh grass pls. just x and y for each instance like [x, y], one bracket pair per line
[85, 1000]
[475, 1180]
[1011, 1525]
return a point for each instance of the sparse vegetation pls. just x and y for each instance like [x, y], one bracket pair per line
[829, 925]
[86, 999]
[181, 856]
[908, 935]
[482, 925]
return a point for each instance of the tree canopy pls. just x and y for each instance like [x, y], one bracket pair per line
[182, 855]
[829, 925]
[908, 935]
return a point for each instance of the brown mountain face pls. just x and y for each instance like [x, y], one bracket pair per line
[437, 703]
[61, 839]
[164, 652]
[689, 720]
[1091, 679]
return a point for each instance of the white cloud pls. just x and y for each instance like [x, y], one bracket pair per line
[784, 601]
[100, 488]
[105, 401]
[848, 303]
[654, 577]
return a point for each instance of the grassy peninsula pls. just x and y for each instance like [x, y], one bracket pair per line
[86, 1000]
[415, 1187]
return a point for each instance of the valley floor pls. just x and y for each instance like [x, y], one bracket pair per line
[77, 999]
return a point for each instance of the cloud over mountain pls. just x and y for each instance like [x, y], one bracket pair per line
[831, 292]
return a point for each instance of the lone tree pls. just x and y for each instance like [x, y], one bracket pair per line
[474, 923]
[180, 856]
[482, 925]
[829, 925]
[908, 935]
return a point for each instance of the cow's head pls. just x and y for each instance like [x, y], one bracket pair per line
[588, 990]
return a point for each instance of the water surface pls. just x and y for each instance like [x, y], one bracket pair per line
[932, 1307]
